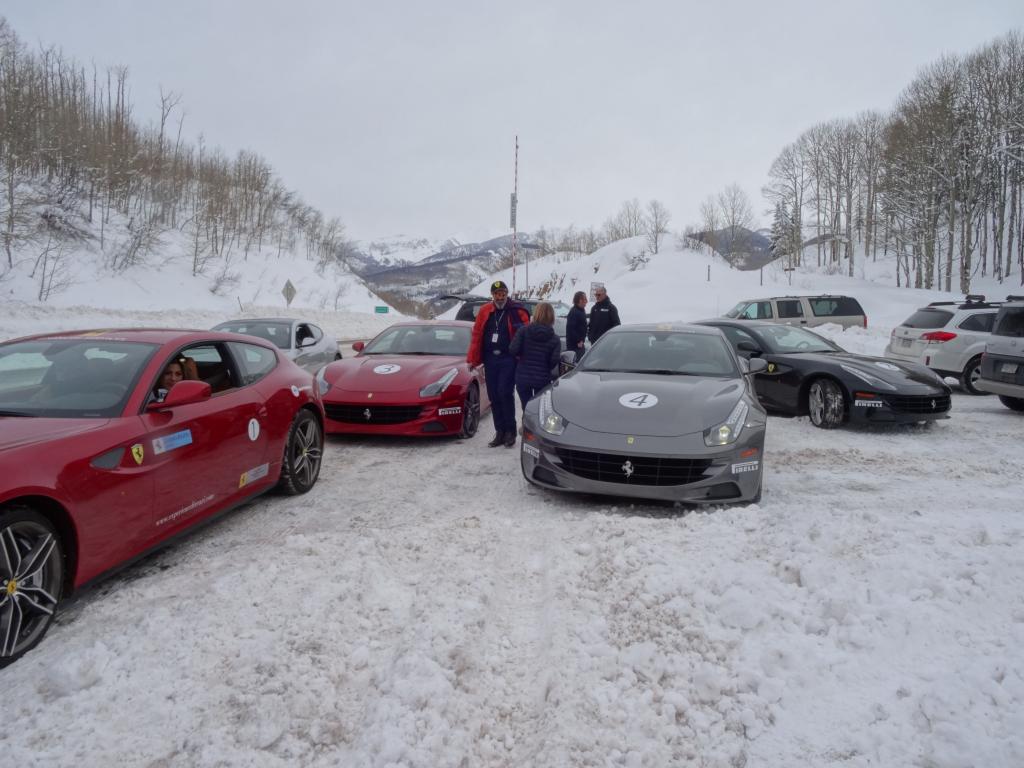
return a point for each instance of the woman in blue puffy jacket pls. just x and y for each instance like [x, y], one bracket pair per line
[538, 350]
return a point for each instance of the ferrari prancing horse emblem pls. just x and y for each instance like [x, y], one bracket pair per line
[367, 414]
[628, 468]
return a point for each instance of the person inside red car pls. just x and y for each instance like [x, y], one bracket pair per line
[173, 373]
[493, 331]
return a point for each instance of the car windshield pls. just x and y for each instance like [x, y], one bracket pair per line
[738, 309]
[421, 340]
[785, 339]
[69, 378]
[279, 334]
[682, 353]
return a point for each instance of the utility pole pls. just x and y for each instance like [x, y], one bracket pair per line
[512, 221]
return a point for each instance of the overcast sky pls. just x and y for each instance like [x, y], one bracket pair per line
[399, 117]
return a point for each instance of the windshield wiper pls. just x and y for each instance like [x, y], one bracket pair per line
[18, 413]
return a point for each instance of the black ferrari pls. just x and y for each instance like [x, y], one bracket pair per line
[808, 374]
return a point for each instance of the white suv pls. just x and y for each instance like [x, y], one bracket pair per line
[1002, 367]
[947, 336]
[808, 311]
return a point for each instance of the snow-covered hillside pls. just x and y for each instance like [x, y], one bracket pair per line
[680, 285]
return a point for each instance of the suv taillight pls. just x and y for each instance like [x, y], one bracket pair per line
[938, 336]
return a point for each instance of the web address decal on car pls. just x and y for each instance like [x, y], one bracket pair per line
[172, 441]
[869, 404]
[449, 411]
[745, 466]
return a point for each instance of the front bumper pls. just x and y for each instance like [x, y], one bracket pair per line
[899, 409]
[665, 469]
[421, 419]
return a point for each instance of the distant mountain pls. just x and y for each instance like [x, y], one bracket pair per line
[743, 248]
[454, 268]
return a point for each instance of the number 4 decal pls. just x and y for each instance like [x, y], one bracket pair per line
[638, 400]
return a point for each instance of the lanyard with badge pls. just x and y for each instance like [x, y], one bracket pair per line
[497, 325]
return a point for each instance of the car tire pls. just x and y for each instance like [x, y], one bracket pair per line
[470, 412]
[303, 454]
[32, 559]
[1013, 403]
[970, 376]
[826, 404]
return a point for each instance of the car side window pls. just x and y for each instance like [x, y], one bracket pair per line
[255, 361]
[823, 307]
[1010, 322]
[758, 310]
[736, 335]
[790, 308]
[980, 322]
[214, 366]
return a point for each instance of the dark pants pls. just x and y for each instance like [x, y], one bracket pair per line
[528, 391]
[500, 375]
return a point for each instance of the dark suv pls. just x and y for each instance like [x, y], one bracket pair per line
[471, 307]
[1002, 365]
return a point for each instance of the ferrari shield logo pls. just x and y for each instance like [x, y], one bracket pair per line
[630, 440]
[771, 367]
[369, 395]
[138, 453]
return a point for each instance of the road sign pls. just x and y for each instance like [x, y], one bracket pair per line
[380, 310]
[288, 292]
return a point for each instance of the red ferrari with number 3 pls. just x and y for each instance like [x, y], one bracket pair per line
[112, 442]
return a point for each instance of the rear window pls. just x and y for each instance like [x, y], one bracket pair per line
[835, 306]
[928, 318]
[1009, 322]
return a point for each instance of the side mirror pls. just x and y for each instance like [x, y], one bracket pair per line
[307, 341]
[756, 365]
[566, 362]
[358, 346]
[183, 393]
[747, 349]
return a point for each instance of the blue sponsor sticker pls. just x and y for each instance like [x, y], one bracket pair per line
[172, 441]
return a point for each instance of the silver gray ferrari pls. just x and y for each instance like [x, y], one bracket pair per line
[654, 412]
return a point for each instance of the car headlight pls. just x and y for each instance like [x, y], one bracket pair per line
[729, 430]
[321, 382]
[436, 388]
[864, 376]
[550, 421]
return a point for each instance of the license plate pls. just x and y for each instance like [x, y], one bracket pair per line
[1009, 368]
[906, 342]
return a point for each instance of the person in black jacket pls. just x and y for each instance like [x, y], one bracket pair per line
[576, 324]
[538, 349]
[603, 315]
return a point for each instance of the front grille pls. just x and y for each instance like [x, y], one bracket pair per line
[918, 403]
[632, 470]
[372, 414]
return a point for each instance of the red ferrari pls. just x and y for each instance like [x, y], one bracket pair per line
[412, 379]
[112, 442]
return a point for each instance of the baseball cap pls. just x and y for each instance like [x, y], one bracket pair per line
[499, 285]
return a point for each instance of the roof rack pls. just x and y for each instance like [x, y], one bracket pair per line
[941, 303]
[1014, 298]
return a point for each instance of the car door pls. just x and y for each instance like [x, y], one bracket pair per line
[203, 454]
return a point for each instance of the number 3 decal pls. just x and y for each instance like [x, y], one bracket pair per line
[638, 400]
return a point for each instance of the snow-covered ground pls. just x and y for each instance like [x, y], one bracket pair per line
[424, 606]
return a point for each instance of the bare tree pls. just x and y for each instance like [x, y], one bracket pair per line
[656, 222]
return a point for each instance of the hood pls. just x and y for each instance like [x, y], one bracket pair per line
[357, 374]
[686, 404]
[894, 372]
[19, 432]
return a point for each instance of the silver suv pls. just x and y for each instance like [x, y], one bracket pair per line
[807, 311]
[947, 336]
[1002, 365]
